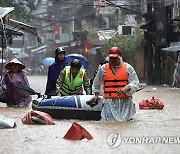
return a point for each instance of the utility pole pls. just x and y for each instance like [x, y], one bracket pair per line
[4, 18]
[4, 43]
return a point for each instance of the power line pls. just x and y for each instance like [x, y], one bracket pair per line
[83, 16]
[87, 4]
[127, 9]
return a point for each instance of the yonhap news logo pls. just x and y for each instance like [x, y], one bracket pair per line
[115, 139]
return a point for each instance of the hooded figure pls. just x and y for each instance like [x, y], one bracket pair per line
[15, 75]
[54, 71]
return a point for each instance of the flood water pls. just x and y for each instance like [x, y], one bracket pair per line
[151, 131]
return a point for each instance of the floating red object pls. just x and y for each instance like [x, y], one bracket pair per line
[77, 132]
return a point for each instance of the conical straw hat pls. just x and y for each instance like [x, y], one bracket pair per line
[14, 61]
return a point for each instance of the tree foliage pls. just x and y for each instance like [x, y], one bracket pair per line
[128, 45]
[22, 8]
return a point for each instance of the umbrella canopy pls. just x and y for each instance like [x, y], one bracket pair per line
[84, 61]
[48, 61]
[2, 61]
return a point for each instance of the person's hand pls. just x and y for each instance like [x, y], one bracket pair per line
[95, 98]
[123, 91]
[93, 102]
[120, 93]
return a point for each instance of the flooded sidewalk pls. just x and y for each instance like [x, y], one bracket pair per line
[151, 131]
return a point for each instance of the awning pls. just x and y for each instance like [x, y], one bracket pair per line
[25, 27]
[172, 49]
[5, 11]
[40, 49]
[16, 25]
[146, 24]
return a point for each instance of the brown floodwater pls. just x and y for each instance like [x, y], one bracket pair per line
[151, 131]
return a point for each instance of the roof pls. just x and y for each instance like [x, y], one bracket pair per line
[22, 26]
[5, 11]
[146, 24]
[39, 49]
[25, 27]
[17, 28]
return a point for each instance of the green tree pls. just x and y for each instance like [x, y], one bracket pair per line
[22, 9]
[128, 44]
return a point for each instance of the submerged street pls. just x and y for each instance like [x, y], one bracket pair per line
[151, 131]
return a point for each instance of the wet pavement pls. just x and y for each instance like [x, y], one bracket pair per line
[151, 131]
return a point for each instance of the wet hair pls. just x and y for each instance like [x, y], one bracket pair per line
[76, 63]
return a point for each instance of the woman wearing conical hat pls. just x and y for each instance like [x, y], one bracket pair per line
[15, 75]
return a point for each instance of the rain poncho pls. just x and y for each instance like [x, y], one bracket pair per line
[53, 73]
[117, 109]
[15, 99]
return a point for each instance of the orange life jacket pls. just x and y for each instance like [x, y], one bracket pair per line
[114, 82]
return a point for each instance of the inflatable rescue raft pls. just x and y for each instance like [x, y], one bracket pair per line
[70, 107]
